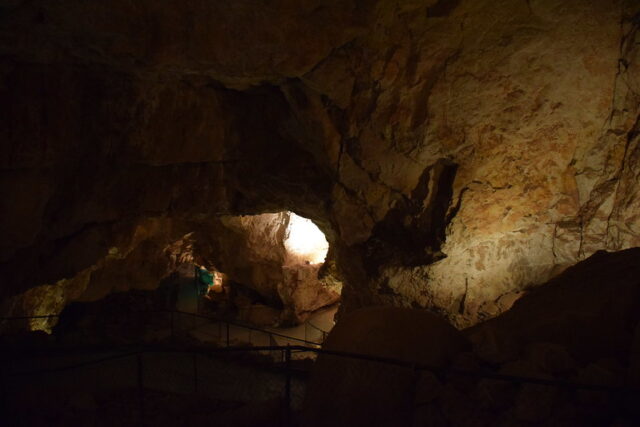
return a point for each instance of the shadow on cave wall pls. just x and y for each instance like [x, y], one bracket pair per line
[413, 231]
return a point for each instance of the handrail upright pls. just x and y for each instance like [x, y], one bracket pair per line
[287, 386]
[140, 386]
[227, 323]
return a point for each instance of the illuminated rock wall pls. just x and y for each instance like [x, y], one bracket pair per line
[536, 103]
[454, 153]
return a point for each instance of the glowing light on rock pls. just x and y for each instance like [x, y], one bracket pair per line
[305, 240]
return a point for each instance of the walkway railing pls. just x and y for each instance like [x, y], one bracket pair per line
[315, 347]
[230, 323]
[284, 367]
[227, 331]
[314, 327]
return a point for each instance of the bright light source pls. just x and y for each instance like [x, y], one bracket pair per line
[305, 240]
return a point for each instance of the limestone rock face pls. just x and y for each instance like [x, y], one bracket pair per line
[454, 153]
[535, 104]
[155, 248]
[250, 250]
[580, 327]
[303, 290]
[591, 310]
[569, 330]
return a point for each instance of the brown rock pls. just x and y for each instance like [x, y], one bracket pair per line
[551, 358]
[366, 392]
[574, 311]
[456, 153]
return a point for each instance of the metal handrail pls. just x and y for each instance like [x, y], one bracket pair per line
[415, 366]
[442, 371]
[245, 326]
[316, 328]
[217, 319]
[287, 370]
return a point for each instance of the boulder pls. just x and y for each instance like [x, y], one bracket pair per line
[591, 310]
[348, 392]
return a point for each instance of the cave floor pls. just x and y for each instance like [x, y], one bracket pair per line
[314, 329]
[89, 388]
[311, 330]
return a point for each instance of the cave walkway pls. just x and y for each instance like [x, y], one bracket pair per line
[82, 376]
[83, 379]
[312, 332]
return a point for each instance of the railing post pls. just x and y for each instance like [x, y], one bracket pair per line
[194, 319]
[4, 390]
[140, 388]
[272, 343]
[411, 399]
[227, 333]
[195, 372]
[287, 386]
[172, 324]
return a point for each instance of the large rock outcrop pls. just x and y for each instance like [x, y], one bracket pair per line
[534, 106]
[592, 310]
[455, 153]
[578, 333]
[153, 249]
[346, 391]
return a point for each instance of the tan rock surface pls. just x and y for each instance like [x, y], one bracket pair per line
[455, 153]
[590, 310]
[154, 250]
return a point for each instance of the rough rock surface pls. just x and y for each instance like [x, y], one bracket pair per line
[579, 328]
[344, 391]
[454, 152]
[155, 248]
[592, 309]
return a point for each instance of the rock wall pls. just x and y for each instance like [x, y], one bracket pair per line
[154, 249]
[536, 105]
[455, 153]
[579, 333]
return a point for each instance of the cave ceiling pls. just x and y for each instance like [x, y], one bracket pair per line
[455, 152]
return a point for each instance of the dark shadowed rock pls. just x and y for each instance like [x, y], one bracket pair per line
[590, 311]
[350, 392]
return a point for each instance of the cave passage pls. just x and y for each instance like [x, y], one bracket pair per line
[267, 269]
[305, 240]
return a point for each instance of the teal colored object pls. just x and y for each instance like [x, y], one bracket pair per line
[204, 279]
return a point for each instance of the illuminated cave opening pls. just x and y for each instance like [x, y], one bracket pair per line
[305, 240]
[273, 269]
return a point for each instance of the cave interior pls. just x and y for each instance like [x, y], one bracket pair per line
[320, 212]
